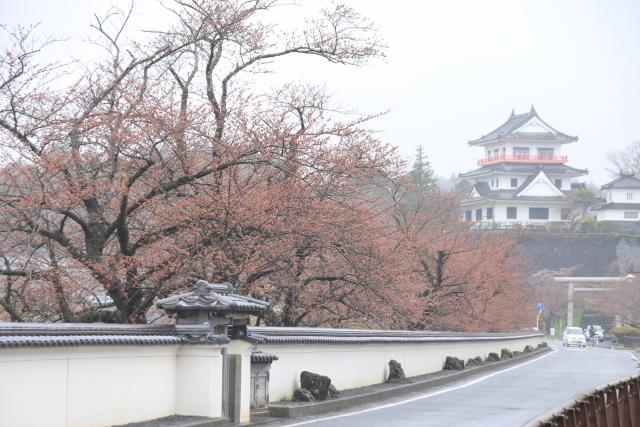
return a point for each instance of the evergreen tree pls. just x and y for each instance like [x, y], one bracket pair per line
[421, 173]
[582, 198]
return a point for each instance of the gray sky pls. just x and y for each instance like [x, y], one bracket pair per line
[455, 69]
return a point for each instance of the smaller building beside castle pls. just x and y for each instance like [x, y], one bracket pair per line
[622, 196]
[523, 177]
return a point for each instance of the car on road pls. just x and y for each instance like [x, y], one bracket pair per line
[574, 336]
[598, 330]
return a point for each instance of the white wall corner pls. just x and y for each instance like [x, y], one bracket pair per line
[199, 380]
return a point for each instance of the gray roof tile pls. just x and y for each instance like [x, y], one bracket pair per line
[83, 340]
[525, 168]
[278, 335]
[623, 181]
[619, 206]
[258, 356]
[79, 334]
[508, 128]
[217, 297]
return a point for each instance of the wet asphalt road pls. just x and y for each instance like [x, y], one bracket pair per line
[510, 398]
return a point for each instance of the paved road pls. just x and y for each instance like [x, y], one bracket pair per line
[507, 398]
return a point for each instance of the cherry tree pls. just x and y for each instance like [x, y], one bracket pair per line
[165, 161]
[157, 155]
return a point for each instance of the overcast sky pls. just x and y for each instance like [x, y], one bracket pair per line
[455, 69]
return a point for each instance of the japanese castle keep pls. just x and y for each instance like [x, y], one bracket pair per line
[523, 177]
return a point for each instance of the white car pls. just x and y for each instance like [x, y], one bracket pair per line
[574, 336]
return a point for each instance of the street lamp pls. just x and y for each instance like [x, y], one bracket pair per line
[629, 278]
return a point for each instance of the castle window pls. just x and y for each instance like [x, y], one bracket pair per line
[512, 213]
[521, 153]
[629, 196]
[478, 214]
[514, 182]
[545, 153]
[489, 213]
[538, 213]
[631, 215]
[558, 183]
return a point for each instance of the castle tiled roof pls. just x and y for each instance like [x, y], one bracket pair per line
[525, 168]
[484, 191]
[623, 181]
[508, 130]
[619, 206]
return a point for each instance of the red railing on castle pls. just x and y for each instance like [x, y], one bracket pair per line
[523, 158]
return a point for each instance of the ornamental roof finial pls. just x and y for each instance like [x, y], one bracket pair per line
[533, 110]
[217, 298]
[513, 113]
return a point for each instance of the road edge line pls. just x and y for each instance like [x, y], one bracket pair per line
[423, 396]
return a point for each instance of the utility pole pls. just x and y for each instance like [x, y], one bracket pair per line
[570, 306]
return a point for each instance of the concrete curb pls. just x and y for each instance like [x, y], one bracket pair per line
[296, 409]
[181, 421]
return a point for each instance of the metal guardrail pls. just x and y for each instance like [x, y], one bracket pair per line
[613, 405]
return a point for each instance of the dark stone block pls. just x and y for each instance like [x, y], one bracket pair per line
[528, 349]
[543, 345]
[303, 395]
[396, 373]
[506, 354]
[492, 357]
[453, 363]
[333, 392]
[474, 361]
[318, 385]
[517, 353]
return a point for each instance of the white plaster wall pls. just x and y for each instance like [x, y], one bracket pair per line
[32, 392]
[199, 380]
[504, 181]
[500, 213]
[566, 182]
[540, 187]
[615, 215]
[118, 385]
[99, 385]
[357, 365]
[620, 195]
[533, 147]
